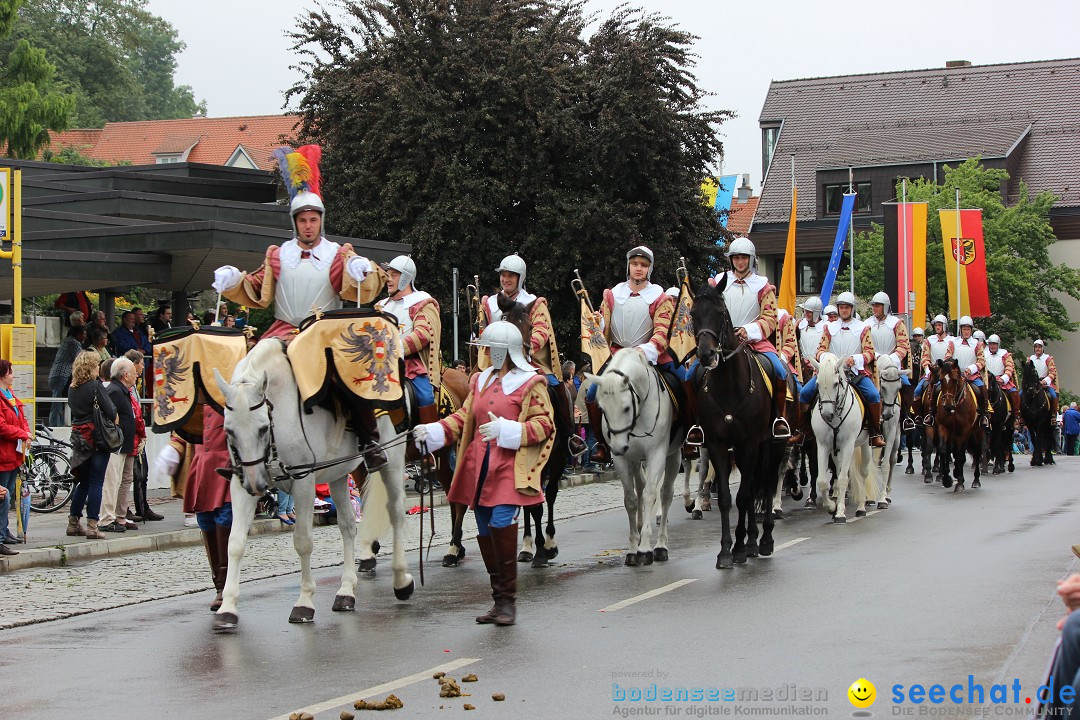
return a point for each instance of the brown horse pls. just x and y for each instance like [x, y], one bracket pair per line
[956, 418]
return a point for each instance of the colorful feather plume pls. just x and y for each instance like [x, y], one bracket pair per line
[300, 168]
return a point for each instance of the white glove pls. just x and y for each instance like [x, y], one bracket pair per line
[430, 433]
[490, 430]
[926, 373]
[226, 278]
[166, 462]
[1004, 378]
[358, 268]
[1047, 382]
[650, 352]
[973, 368]
[505, 433]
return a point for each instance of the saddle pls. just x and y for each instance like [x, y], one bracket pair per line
[765, 367]
[184, 363]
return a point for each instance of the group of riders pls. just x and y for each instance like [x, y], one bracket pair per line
[506, 425]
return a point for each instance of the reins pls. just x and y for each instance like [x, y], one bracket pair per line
[635, 405]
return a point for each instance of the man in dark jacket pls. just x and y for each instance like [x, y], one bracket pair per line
[1071, 428]
[114, 501]
[129, 337]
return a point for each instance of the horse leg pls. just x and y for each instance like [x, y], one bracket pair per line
[535, 513]
[527, 548]
[977, 451]
[718, 457]
[910, 436]
[654, 478]
[927, 453]
[843, 469]
[667, 494]
[959, 458]
[243, 509]
[303, 611]
[345, 600]
[391, 475]
[456, 552]
[823, 454]
[551, 548]
[631, 501]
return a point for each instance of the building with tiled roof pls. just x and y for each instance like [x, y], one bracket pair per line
[233, 141]
[1021, 117]
[741, 215]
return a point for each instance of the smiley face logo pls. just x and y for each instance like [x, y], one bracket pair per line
[862, 693]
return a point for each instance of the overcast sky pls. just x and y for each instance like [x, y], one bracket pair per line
[237, 57]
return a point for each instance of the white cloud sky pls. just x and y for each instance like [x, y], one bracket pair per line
[238, 58]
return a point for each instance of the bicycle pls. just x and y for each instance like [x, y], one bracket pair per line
[47, 472]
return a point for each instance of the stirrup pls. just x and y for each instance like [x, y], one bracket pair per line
[928, 421]
[877, 437]
[783, 432]
[985, 422]
[909, 424]
[576, 448]
[374, 457]
[697, 434]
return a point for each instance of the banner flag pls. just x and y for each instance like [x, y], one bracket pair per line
[846, 211]
[786, 297]
[962, 241]
[905, 238]
[593, 342]
[681, 340]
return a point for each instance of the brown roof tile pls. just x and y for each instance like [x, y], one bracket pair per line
[741, 215]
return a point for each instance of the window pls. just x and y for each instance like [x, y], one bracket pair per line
[834, 198]
[769, 135]
[810, 275]
[166, 159]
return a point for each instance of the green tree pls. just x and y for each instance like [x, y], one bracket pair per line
[477, 128]
[1025, 285]
[116, 57]
[30, 103]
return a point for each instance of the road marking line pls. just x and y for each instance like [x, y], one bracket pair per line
[646, 596]
[788, 544]
[384, 688]
[868, 514]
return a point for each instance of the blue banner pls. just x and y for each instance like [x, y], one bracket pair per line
[724, 195]
[838, 248]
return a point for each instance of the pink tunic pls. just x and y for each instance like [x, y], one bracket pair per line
[207, 490]
[498, 486]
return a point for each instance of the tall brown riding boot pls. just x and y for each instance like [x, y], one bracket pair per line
[564, 419]
[222, 571]
[505, 543]
[983, 406]
[487, 551]
[907, 424]
[873, 413]
[1014, 398]
[374, 456]
[601, 455]
[694, 434]
[780, 428]
[804, 428]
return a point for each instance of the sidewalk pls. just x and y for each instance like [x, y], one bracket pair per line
[48, 546]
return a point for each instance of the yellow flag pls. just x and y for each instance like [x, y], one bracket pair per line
[681, 340]
[786, 296]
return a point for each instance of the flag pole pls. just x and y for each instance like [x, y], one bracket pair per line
[851, 231]
[956, 256]
[903, 209]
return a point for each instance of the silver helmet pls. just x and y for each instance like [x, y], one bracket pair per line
[940, 319]
[642, 252]
[813, 305]
[993, 339]
[883, 298]
[830, 310]
[502, 338]
[966, 321]
[306, 200]
[515, 264]
[917, 330]
[742, 246]
[404, 265]
[845, 298]
[979, 335]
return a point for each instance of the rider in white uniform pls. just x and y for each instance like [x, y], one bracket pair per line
[968, 354]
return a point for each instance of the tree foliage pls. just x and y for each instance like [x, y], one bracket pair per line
[115, 56]
[1025, 285]
[30, 103]
[476, 128]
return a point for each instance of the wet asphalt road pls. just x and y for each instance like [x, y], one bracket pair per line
[933, 589]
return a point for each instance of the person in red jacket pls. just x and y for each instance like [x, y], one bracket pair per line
[14, 437]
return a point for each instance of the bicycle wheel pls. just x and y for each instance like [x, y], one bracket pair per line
[48, 475]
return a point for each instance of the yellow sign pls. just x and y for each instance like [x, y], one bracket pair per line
[5, 205]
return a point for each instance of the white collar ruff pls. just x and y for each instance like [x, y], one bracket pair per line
[511, 382]
[416, 296]
[322, 255]
[650, 293]
[753, 281]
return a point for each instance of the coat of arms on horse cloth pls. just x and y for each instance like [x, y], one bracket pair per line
[363, 347]
[184, 363]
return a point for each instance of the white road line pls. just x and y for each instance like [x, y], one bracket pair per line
[380, 689]
[856, 519]
[646, 596]
[788, 544]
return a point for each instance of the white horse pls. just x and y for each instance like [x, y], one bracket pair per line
[271, 440]
[838, 427]
[889, 383]
[701, 501]
[637, 428]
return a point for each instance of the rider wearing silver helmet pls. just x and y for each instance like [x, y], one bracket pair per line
[999, 363]
[968, 354]
[890, 337]
[420, 325]
[809, 335]
[751, 302]
[504, 431]
[849, 339]
[938, 346]
[1047, 371]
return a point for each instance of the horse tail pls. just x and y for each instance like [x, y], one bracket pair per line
[376, 513]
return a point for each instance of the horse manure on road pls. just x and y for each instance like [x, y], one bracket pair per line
[439, 675]
[467, 706]
[392, 702]
[301, 716]
[449, 688]
[346, 715]
[469, 678]
[498, 697]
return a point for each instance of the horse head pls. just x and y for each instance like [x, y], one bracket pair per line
[713, 328]
[248, 425]
[621, 392]
[1031, 377]
[517, 314]
[889, 380]
[832, 385]
[952, 381]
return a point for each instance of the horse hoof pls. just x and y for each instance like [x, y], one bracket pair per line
[870, 503]
[959, 488]
[646, 557]
[376, 547]
[366, 564]
[767, 548]
[406, 592]
[450, 560]
[525, 556]
[552, 552]
[860, 513]
[632, 560]
[225, 622]
[696, 515]
[1051, 461]
[910, 471]
[689, 508]
[883, 505]
[344, 603]
[797, 494]
[739, 556]
[810, 503]
[946, 483]
[301, 615]
[724, 561]
[927, 479]
[752, 549]
[778, 514]
[976, 484]
[840, 519]
[540, 561]
[1012, 468]
[660, 554]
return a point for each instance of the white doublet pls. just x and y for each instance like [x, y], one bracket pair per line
[995, 362]
[883, 333]
[303, 285]
[846, 338]
[938, 347]
[810, 338]
[1040, 365]
[742, 298]
[964, 351]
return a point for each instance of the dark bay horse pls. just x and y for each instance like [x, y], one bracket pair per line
[956, 419]
[736, 413]
[999, 436]
[1035, 409]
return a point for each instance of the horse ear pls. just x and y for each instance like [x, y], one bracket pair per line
[260, 387]
[591, 378]
[225, 388]
[939, 364]
[722, 285]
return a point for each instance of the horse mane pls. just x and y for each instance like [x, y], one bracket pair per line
[828, 368]
[258, 361]
[885, 363]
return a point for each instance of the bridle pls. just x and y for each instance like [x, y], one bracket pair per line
[841, 402]
[635, 405]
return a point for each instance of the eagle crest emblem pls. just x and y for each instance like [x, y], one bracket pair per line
[170, 372]
[374, 349]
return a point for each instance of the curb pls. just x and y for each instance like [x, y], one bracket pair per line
[65, 554]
